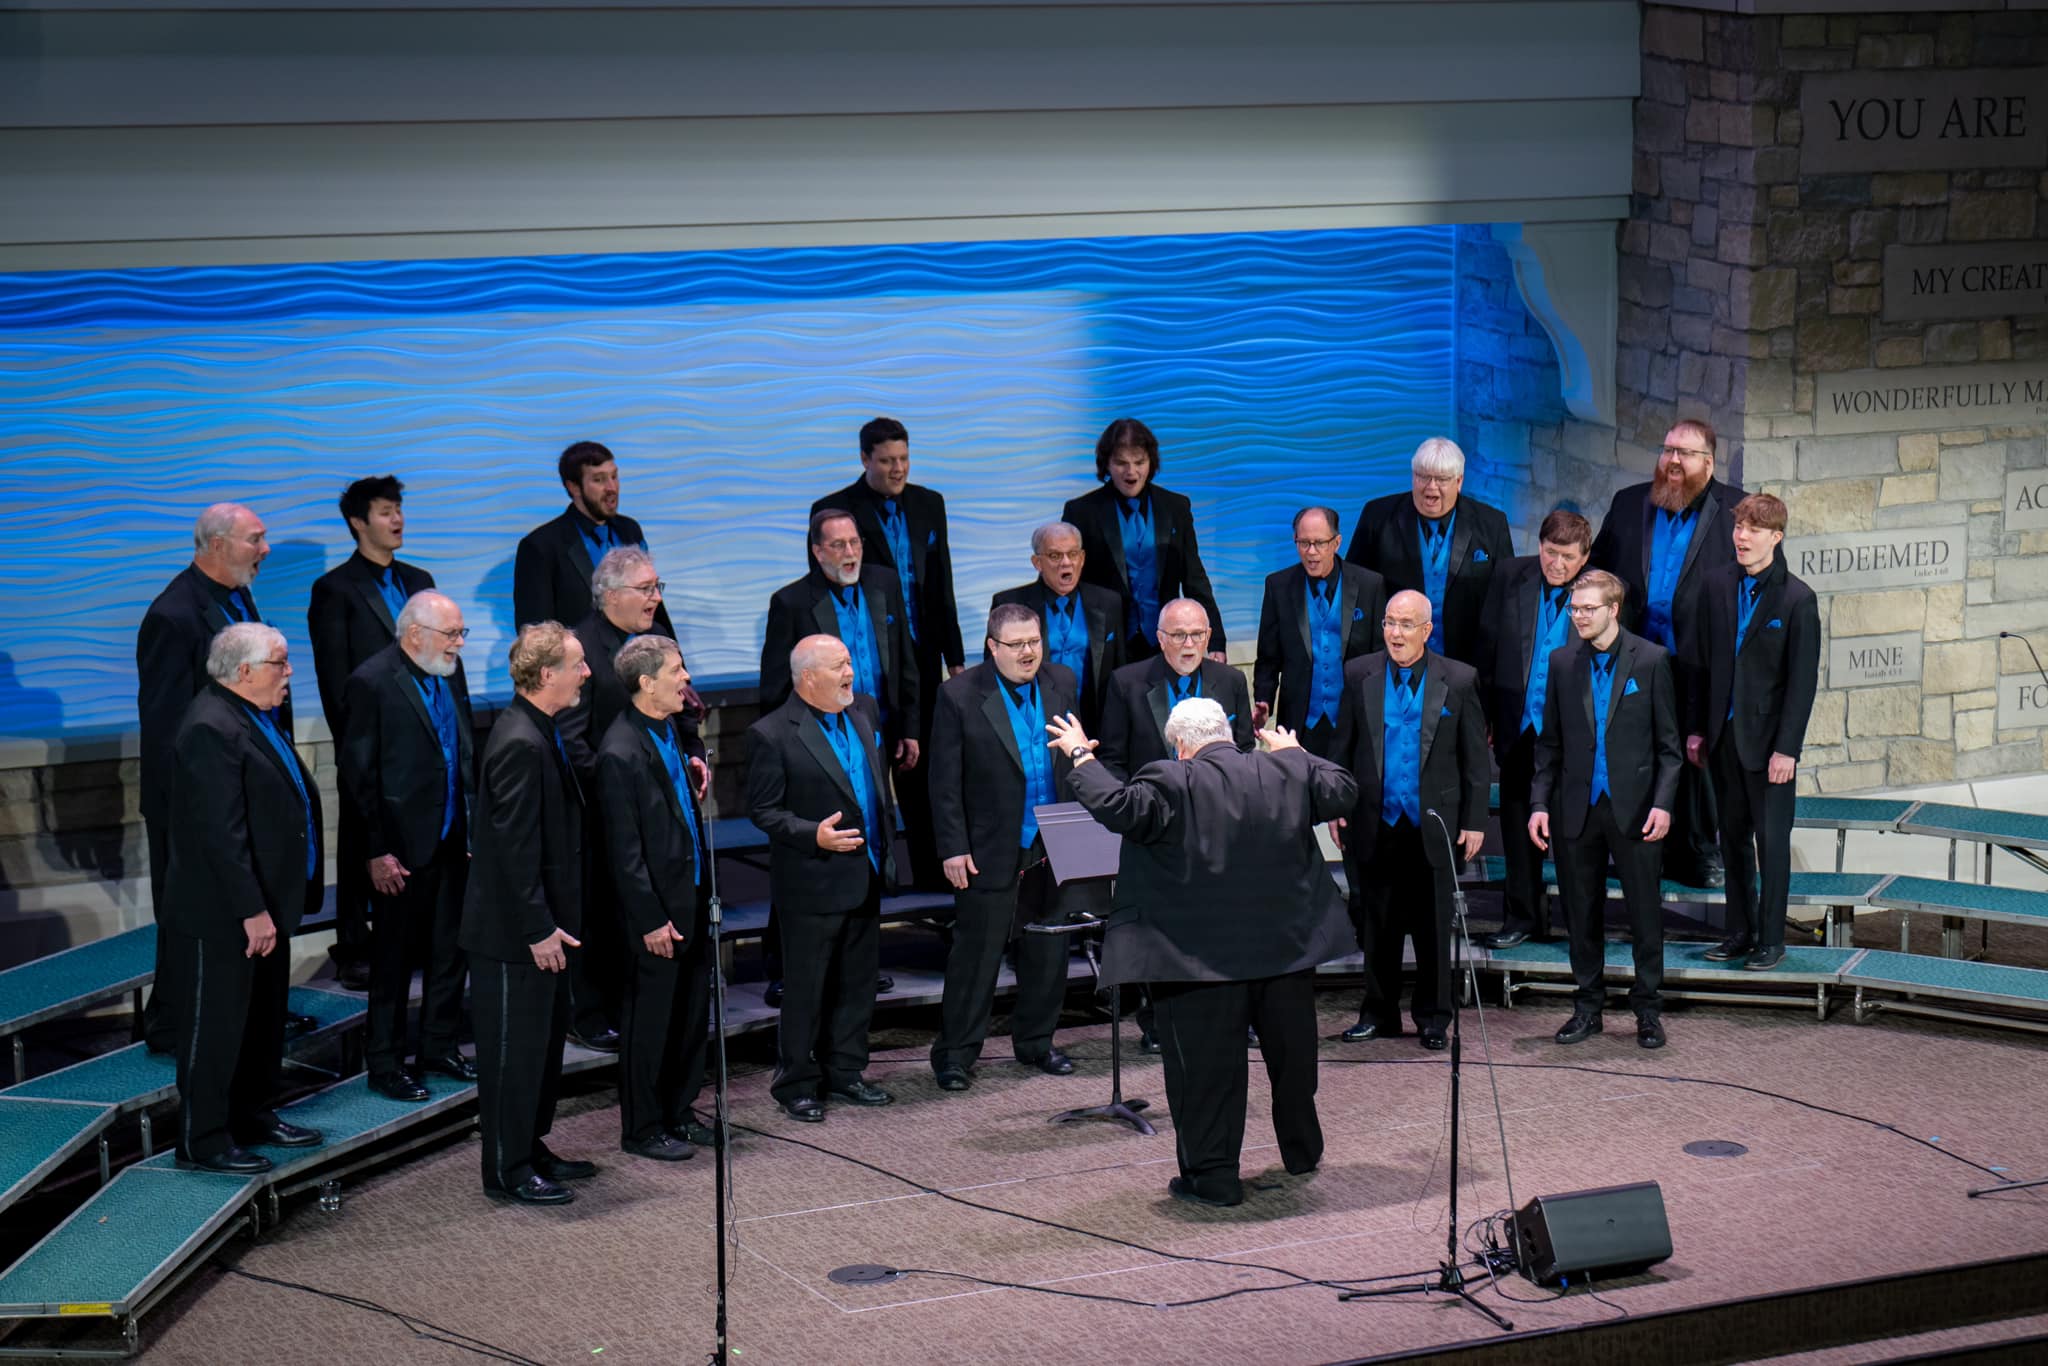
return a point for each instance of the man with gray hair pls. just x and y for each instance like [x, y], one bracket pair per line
[408, 769]
[1436, 543]
[1083, 622]
[1225, 905]
[208, 595]
[244, 867]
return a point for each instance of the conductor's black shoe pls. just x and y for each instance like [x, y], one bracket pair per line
[954, 1079]
[451, 1065]
[1148, 1041]
[1579, 1028]
[535, 1190]
[295, 1025]
[1434, 1040]
[1054, 1062]
[234, 1161]
[1180, 1188]
[562, 1168]
[397, 1086]
[805, 1110]
[662, 1147]
[282, 1135]
[861, 1091]
[771, 995]
[884, 982]
[1502, 939]
[1365, 1030]
[1734, 946]
[1649, 1031]
[1766, 958]
[604, 1040]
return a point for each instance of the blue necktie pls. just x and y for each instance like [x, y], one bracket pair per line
[239, 607]
[392, 592]
[672, 760]
[1603, 693]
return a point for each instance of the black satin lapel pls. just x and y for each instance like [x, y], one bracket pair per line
[998, 714]
[1531, 606]
[1434, 693]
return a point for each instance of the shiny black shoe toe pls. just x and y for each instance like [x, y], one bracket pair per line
[771, 995]
[1054, 1063]
[884, 983]
[1649, 1032]
[1502, 939]
[804, 1110]
[283, 1135]
[1148, 1042]
[451, 1065]
[953, 1079]
[603, 1041]
[692, 1132]
[563, 1168]
[1579, 1028]
[535, 1190]
[1180, 1188]
[662, 1147]
[1733, 947]
[297, 1025]
[861, 1091]
[1764, 959]
[1365, 1030]
[1434, 1040]
[397, 1086]
[232, 1161]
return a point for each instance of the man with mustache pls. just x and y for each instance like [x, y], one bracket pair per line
[551, 573]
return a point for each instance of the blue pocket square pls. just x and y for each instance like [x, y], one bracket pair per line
[1358, 614]
[931, 538]
[890, 620]
[1630, 688]
[1447, 711]
[1774, 624]
[1478, 556]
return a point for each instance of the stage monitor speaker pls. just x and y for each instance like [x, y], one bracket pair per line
[1618, 1229]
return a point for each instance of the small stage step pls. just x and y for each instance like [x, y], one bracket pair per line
[74, 980]
[1950, 979]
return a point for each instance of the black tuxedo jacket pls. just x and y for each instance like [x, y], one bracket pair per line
[1388, 539]
[1134, 712]
[794, 781]
[583, 726]
[1771, 681]
[1623, 549]
[170, 670]
[1643, 754]
[526, 876]
[238, 829]
[1104, 612]
[977, 782]
[390, 758]
[349, 621]
[1181, 574]
[551, 571]
[1514, 614]
[647, 836]
[1284, 648]
[804, 608]
[924, 513]
[1455, 768]
[1221, 878]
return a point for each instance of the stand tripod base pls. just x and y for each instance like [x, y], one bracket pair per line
[1449, 1281]
[1122, 1111]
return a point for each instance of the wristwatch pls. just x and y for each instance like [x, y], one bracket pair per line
[1079, 752]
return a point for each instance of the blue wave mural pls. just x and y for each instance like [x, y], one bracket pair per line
[1278, 369]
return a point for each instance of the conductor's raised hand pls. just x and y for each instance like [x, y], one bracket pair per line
[1066, 733]
[1539, 829]
[1279, 737]
[552, 953]
[833, 840]
[959, 869]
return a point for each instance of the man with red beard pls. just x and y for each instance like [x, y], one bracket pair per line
[1660, 539]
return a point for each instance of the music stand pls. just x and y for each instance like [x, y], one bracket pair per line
[1080, 850]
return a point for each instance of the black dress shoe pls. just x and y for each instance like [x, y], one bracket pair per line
[1148, 1042]
[562, 1168]
[1579, 1028]
[662, 1147]
[605, 1040]
[805, 1110]
[1368, 1029]
[1734, 946]
[450, 1065]
[1649, 1031]
[1180, 1188]
[283, 1135]
[1713, 873]
[534, 1190]
[1502, 939]
[1766, 958]
[861, 1091]
[397, 1086]
[1434, 1040]
[690, 1131]
[884, 982]
[1054, 1063]
[296, 1025]
[353, 973]
[771, 995]
[954, 1079]
[233, 1161]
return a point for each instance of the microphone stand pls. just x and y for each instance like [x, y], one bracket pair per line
[1450, 1278]
[721, 1125]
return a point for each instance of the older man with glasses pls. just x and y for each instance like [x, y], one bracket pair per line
[1317, 616]
[1143, 695]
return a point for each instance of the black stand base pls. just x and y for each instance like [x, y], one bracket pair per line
[1449, 1281]
[1120, 1110]
[2005, 1186]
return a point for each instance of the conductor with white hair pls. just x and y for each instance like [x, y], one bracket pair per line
[1436, 542]
[1225, 905]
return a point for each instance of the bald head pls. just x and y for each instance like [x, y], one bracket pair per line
[430, 631]
[229, 544]
[1405, 626]
[821, 672]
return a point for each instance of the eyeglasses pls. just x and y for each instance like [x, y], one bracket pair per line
[273, 663]
[648, 590]
[1586, 609]
[1020, 646]
[459, 633]
[1396, 624]
[1688, 452]
[841, 547]
[1060, 556]
[1303, 543]
[1186, 637]
[1442, 481]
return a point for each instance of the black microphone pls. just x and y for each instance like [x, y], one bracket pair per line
[2011, 635]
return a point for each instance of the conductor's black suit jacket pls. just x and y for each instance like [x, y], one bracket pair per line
[349, 621]
[238, 829]
[1643, 754]
[804, 608]
[924, 515]
[1134, 714]
[1221, 878]
[1388, 538]
[1285, 650]
[390, 757]
[647, 837]
[794, 781]
[1455, 768]
[1181, 572]
[977, 782]
[551, 571]
[1770, 683]
[526, 873]
[1103, 613]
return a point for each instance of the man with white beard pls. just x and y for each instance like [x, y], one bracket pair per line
[408, 769]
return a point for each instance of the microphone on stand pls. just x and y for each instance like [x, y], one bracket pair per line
[2014, 635]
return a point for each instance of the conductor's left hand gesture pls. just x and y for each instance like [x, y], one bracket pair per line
[1067, 736]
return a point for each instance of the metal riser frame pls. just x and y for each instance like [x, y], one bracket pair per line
[1863, 1011]
[1819, 1004]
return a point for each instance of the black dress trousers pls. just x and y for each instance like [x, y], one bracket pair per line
[416, 930]
[1756, 838]
[1402, 896]
[984, 922]
[667, 1027]
[161, 1018]
[522, 1016]
[1582, 886]
[828, 996]
[1526, 905]
[230, 1041]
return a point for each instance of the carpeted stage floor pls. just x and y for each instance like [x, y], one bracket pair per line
[933, 1182]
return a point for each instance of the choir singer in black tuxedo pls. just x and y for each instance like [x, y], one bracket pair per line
[1756, 666]
[1142, 695]
[1140, 538]
[1317, 616]
[244, 867]
[204, 598]
[1433, 541]
[1607, 763]
[1083, 622]
[1528, 609]
[818, 787]
[660, 881]
[408, 768]
[1225, 905]
[990, 770]
[551, 571]
[521, 916]
[352, 614]
[903, 529]
[1413, 734]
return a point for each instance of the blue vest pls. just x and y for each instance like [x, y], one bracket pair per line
[1670, 534]
[1603, 693]
[896, 531]
[844, 737]
[672, 760]
[441, 711]
[1027, 725]
[1141, 564]
[1436, 570]
[1401, 783]
[291, 766]
[1066, 634]
[1549, 636]
[1326, 647]
[857, 631]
